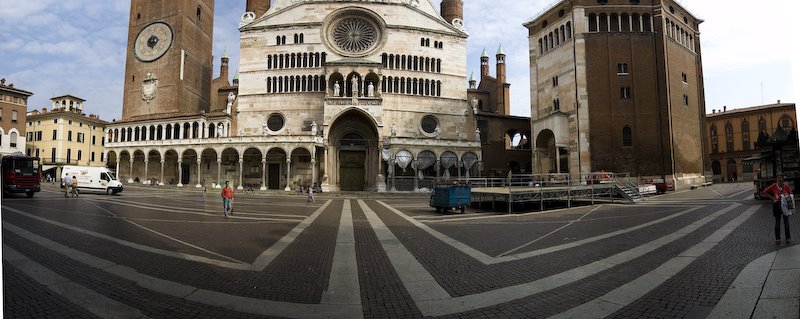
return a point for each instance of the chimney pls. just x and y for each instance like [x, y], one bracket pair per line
[725, 108]
[713, 111]
[779, 101]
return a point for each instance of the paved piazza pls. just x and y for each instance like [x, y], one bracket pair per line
[169, 253]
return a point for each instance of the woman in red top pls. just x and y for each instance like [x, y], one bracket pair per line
[774, 192]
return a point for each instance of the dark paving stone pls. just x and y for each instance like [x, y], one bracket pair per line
[23, 297]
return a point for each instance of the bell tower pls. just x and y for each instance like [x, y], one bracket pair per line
[169, 59]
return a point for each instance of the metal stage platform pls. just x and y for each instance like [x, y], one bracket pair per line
[521, 194]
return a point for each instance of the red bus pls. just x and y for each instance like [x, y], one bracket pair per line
[21, 174]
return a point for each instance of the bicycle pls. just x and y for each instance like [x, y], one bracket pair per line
[249, 190]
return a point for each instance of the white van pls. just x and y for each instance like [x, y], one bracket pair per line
[94, 179]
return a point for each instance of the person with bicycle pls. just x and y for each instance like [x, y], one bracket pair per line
[227, 199]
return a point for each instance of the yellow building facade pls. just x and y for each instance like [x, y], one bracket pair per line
[65, 135]
[733, 136]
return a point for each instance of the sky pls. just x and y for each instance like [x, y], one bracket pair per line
[57, 47]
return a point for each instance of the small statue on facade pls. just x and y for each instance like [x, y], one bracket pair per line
[337, 89]
[241, 132]
[437, 132]
[354, 82]
[394, 130]
[477, 134]
[474, 105]
[220, 130]
[313, 128]
[264, 128]
[231, 98]
[370, 90]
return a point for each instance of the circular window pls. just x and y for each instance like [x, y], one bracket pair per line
[275, 122]
[353, 32]
[354, 35]
[429, 124]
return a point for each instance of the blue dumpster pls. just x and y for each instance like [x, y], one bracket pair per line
[446, 197]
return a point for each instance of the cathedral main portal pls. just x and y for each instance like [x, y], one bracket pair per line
[353, 153]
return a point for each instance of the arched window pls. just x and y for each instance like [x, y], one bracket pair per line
[729, 137]
[745, 135]
[301, 38]
[278, 40]
[627, 137]
[199, 14]
[593, 22]
[563, 36]
[296, 38]
[569, 30]
[786, 123]
[422, 42]
[541, 49]
[555, 34]
[762, 125]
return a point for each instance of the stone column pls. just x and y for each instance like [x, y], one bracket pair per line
[198, 173]
[459, 164]
[180, 132]
[130, 178]
[326, 177]
[558, 159]
[161, 180]
[415, 166]
[163, 132]
[438, 169]
[180, 172]
[608, 23]
[313, 171]
[117, 172]
[392, 174]
[146, 162]
[288, 173]
[241, 172]
[219, 171]
[264, 174]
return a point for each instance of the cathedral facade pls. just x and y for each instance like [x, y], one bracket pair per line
[346, 95]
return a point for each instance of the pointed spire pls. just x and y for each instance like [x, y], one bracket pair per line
[225, 53]
[472, 76]
[484, 54]
[236, 75]
[500, 50]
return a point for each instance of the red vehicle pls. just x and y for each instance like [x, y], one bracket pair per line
[21, 174]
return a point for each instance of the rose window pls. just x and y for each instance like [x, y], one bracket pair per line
[354, 35]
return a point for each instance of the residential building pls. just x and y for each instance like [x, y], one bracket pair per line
[65, 135]
[733, 137]
[13, 106]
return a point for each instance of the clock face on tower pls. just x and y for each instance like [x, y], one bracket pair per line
[153, 41]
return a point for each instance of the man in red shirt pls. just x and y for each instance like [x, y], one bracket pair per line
[774, 192]
[227, 199]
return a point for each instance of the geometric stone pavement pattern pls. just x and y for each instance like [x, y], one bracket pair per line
[169, 253]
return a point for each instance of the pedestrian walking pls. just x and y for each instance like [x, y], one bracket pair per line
[66, 184]
[74, 185]
[227, 199]
[779, 192]
[310, 198]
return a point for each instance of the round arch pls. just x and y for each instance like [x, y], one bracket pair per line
[353, 147]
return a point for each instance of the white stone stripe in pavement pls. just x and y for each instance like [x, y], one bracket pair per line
[214, 298]
[628, 293]
[198, 211]
[489, 260]
[85, 298]
[768, 287]
[343, 286]
[418, 281]
[433, 300]
[184, 256]
[263, 260]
